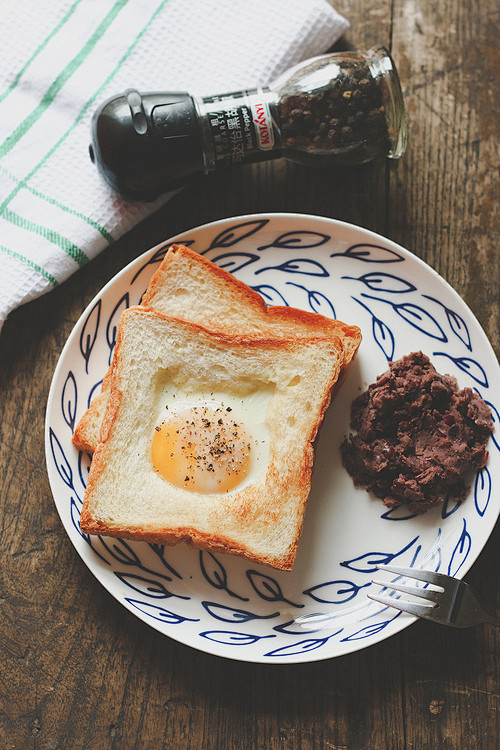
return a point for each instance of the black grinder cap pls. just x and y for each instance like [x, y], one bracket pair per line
[147, 144]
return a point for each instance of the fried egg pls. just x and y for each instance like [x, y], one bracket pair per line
[210, 442]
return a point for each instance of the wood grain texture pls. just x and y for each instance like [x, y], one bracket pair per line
[77, 670]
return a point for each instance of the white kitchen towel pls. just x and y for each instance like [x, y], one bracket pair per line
[59, 59]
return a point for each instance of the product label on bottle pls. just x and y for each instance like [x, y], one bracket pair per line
[242, 127]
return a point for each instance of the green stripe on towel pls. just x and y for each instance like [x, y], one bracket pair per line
[107, 236]
[30, 263]
[72, 250]
[61, 79]
[22, 183]
[39, 49]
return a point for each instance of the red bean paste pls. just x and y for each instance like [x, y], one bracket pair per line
[418, 436]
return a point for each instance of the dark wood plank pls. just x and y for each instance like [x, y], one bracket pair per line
[444, 194]
[442, 206]
[78, 671]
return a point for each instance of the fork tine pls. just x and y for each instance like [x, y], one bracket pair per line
[433, 596]
[419, 610]
[420, 575]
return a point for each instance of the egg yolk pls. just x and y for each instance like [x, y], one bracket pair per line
[201, 449]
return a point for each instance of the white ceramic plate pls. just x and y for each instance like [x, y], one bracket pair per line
[225, 605]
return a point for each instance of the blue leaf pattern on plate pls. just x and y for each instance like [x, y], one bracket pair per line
[456, 323]
[215, 573]
[125, 555]
[370, 254]
[368, 562]
[236, 233]
[270, 295]
[369, 630]
[384, 337]
[88, 334]
[231, 638]
[84, 461]
[334, 592]
[399, 513]
[75, 520]
[74, 511]
[122, 552]
[415, 555]
[69, 401]
[234, 262]
[495, 416]
[482, 490]
[469, 366]
[296, 240]
[381, 333]
[433, 558]
[384, 282]
[157, 257]
[112, 325]
[461, 551]
[416, 316]
[159, 550]
[229, 614]
[150, 586]
[445, 508]
[298, 265]
[160, 613]
[309, 644]
[268, 588]
[317, 301]
[93, 393]
[60, 461]
[312, 623]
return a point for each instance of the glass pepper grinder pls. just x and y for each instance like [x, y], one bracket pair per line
[336, 109]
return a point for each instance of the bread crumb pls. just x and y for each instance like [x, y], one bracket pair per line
[436, 706]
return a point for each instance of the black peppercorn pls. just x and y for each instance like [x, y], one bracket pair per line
[345, 117]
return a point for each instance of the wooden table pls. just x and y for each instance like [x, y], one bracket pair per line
[78, 671]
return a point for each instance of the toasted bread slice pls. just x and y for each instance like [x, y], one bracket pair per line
[189, 286]
[157, 354]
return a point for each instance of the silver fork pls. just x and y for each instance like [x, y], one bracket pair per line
[455, 604]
